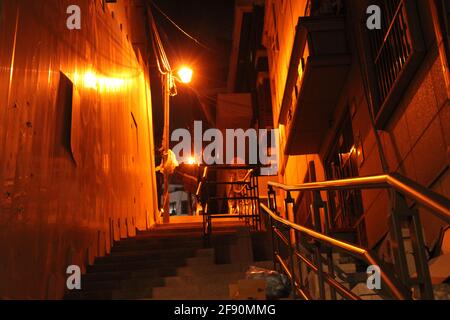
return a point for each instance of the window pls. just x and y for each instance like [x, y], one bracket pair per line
[341, 163]
[185, 207]
[63, 117]
[324, 7]
[390, 46]
[395, 52]
[173, 209]
[443, 11]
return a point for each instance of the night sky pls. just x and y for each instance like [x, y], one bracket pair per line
[211, 23]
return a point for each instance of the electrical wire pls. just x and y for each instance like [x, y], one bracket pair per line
[178, 27]
[161, 58]
[158, 48]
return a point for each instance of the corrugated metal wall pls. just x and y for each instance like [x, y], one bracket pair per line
[76, 143]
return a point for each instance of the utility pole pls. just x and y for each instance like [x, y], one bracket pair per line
[168, 79]
[165, 147]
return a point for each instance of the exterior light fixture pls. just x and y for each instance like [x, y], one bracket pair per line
[191, 161]
[103, 84]
[185, 74]
[90, 80]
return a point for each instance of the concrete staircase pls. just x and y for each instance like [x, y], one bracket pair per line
[348, 273]
[167, 262]
[203, 279]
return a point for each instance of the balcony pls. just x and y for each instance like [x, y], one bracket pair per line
[319, 65]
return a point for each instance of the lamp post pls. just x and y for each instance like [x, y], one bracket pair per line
[184, 75]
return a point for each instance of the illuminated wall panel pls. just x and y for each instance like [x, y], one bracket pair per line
[77, 169]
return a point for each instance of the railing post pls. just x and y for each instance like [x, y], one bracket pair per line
[273, 203]
[422, 269]
[299, 261]
[257, 202]
[318, 261]
[276, 245]
[289, 209]
[243, 196]
[256, 212]
[250, 203]
[398, 209]
[291, 261]
[329, 251]
[273, 206]
[317, 204]
[206, 225]
[412, 218]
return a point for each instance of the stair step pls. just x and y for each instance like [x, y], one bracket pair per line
[134, 295]
[135, 266]
[263, 264]
[209, 269]
[93, 295]
[347, 268]
[204, 279]
[154, 246]
[125, 283]
[191, 292]
[121, 275]
[339, 258]
[365, 293]
[205, 252]
[144, 257]
[166, 262]
[145, 269]
[200, 261]
[160, 242]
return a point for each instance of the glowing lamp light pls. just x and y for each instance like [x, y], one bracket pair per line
[90, 80]
[185, 74]
[191, 161]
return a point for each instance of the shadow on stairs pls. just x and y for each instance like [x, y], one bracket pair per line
[172, 262]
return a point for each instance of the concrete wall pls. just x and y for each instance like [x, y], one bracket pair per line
[76, 172]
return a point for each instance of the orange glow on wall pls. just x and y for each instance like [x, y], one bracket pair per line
[90, 80]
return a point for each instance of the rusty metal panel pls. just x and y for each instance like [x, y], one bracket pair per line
[63, 203]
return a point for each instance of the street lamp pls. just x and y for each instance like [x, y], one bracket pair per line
[192, 161]
[184, 75]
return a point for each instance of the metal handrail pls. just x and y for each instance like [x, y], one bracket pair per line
[347, 247]
[439, 204]
[201, 181]
[402, 187]
[246, 196]
[244, 179]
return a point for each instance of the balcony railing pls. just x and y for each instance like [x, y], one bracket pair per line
[396, 52]
[392, 48]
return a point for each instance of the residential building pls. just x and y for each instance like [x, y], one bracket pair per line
[357, 102]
